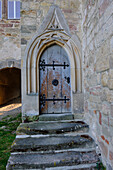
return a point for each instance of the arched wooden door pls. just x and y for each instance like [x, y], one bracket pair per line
[55, 82]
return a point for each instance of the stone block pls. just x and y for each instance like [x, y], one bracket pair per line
[106, 109]
[103, 94]
[23, 41]
[98, 78]
[111, 122]
[6, 25]
[109, 167]
[34, 6]
[25, 5]
[95, 106]
[75, 5]
[28, 20]
[28, 29]
[109, 11]
[104, 79]
[56, 117]
[44, 4]
[103, 7]
[111, 74]
[111, 155]
[31, 13]
[105, 130]
[102, 64]
[111, 61]
[78, 116]
[95, 99]
[110, 96]
[23, 48]
[78, 102]
[95, 91]
[108, 28]
[104, 46]
[105, 120]
[93, 81]
[111, 110]
[111, 45]
[110, 84]
[104, 148]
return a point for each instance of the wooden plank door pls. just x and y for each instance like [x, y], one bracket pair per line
[55, 83]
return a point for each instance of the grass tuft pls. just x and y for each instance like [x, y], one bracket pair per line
[8, 126]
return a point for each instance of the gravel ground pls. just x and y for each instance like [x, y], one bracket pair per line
[13, 107]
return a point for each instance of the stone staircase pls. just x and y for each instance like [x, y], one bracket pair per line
[55, 142]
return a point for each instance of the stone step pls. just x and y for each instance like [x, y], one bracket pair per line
[92, 166]
[76, 167]
[33, 160]
[51, 127]
[52, 143]
[56, 117]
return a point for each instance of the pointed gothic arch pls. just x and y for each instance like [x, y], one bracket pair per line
[54, 30]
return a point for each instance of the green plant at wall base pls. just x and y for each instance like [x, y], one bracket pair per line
[31, 118]
[8, 126]
[100, 166]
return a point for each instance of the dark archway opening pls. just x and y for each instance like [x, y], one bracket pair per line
[10, 84]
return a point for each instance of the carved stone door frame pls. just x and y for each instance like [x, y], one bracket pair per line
[54, 30]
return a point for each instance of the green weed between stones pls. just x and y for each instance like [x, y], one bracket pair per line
[8, 126]
[100, 166]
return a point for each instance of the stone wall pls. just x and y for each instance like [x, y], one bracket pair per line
[9, 38]
[98, 73]
[10, 56]
[94, 27]
[33, 15]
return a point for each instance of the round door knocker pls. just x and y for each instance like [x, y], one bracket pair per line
[55, 82]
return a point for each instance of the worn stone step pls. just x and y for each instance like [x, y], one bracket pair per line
[40, 161]
[51, 127]
[52, 143]
[56, 117]
[76, 167]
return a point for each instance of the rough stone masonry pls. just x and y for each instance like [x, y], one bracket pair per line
[98, 73]
[92, 22]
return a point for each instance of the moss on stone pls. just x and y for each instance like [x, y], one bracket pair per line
[30, 118]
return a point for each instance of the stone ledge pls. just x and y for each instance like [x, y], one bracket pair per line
[10, 63]
[52, 143]
[35, 161]
[35, 128]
